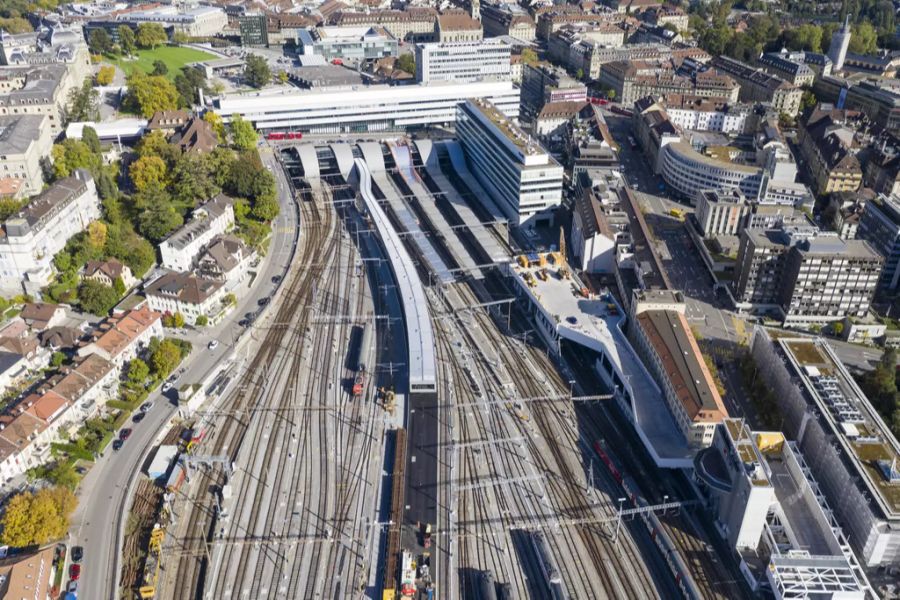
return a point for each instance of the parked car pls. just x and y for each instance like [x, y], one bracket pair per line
[213, 345]
[124, 434]
[117, 445]
[166, 387]
[73, 587]
[75, 572]
[263, 301]
[146, 406]
[276, 278]
[77, 553]
[138, 417]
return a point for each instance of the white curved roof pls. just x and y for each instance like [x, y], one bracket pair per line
[419, 332]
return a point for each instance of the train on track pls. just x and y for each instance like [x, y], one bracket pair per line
[359, 381]
[284, 135]
[548, 566]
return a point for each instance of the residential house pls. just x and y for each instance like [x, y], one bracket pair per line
[226, 259]
[209, 220]
[20, 431]
[198, 136]
[187, 294]
[39, 315]
[120, 338]
[12, 367]
[107, 271]
[168, 121]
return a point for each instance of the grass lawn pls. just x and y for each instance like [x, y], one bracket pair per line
[175, 57]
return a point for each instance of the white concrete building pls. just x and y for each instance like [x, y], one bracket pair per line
[769, 508]
[32, 237]
[24, 141]
[366, 109]
[181, 248]
[721, 212]
[726, 121]
[687, 172]
[521, 177]
[463, 62]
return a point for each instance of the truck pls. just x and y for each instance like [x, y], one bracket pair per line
[426, 535]
[407, 576]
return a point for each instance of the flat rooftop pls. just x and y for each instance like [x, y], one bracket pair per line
[596, 323]
[515, 134]
[860, 431]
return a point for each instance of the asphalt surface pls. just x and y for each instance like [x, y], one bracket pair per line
[102, 495]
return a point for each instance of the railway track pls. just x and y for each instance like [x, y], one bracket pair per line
[295, 522]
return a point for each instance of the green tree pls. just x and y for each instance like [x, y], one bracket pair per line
[864, 39]
[529, 56]
[159, 68]
[808, 100]
[178, 320]
[202, 321]
[138, 372]
[256, 71]
[150, 35]
[96, 298]
[265, 208]
[159, 220]
[407, 62]
[99, 42]
[192, 180]
[217, 124]
[10, 206]
[189, 81]
[146, 171]
[148, 94]
[127, 39]
[243, 133]
[837, 328]
[106, 186]
[57, 358]
[579, 74]
[73, 154]
[91, 140]
[165, 358]
[119, 286]
[83, 104]
[15, 25]
[156, 144]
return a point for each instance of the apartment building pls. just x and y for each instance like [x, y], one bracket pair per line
[758, 86]
[634, 79]
[463, 62]
[667, 346]
[879, 225]
[24, 141]
[507, 19]
[826, 144]
[521, 177]
[32, 237]
[37, 90]
[759, 270]
[790, 66]
[705, 114]
[120, 338]
[182, 247]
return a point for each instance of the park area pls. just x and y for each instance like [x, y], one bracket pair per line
[174, 58]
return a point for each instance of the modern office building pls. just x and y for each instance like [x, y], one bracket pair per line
[663, 338]
[363, 109]
[688, 172]
[344, 43]
[760, 265]
[879, 225]
[768, 507]
[849, 448]
[24, 141]
[840, 43]
[542, 84]
[32, 237]
[520, 176]
[201, 21]
[463, 62]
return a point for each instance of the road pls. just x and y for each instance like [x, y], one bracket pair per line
[102, 495]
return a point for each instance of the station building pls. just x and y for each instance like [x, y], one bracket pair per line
[565, 312]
